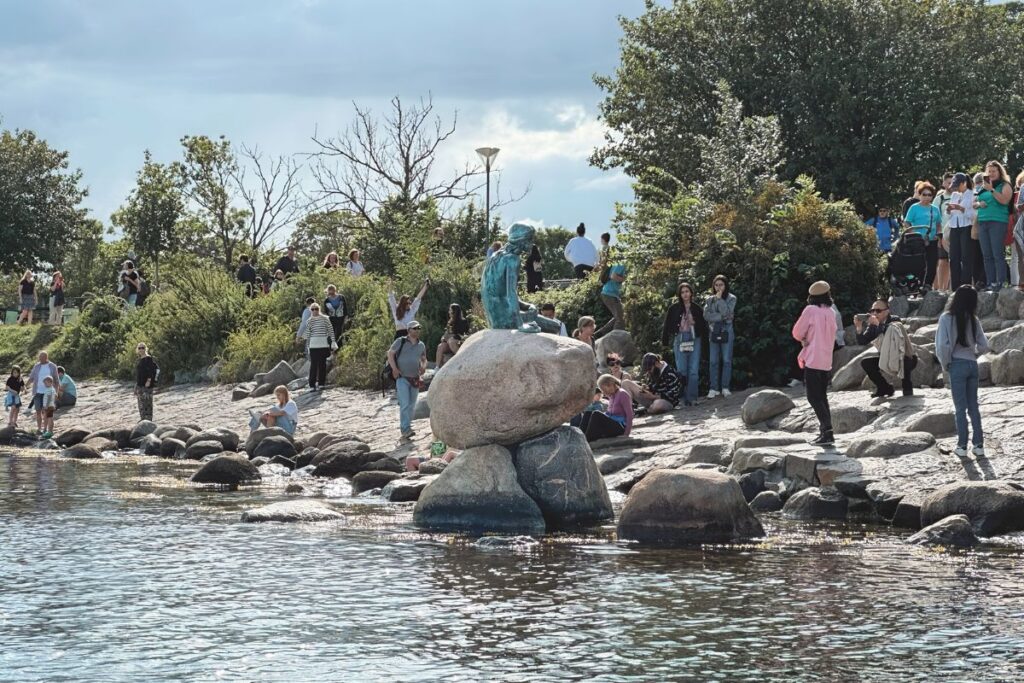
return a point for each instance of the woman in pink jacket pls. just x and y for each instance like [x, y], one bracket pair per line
[816, 331]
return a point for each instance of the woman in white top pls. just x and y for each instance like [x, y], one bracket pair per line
[284, 415]
[404, 310]
[958, 231]
[354, 265]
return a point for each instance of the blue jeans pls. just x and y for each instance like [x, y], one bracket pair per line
[132, 300]
[991, 235]
[407, 395]
[687, 365]
[963, 380]
[721, 354]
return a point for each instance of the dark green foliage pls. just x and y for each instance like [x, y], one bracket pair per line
[551, 242]
[19, 345]
[90, 344]
[572, 303]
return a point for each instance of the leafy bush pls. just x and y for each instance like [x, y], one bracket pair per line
[19, 345]
[90, 343]
[575, 301]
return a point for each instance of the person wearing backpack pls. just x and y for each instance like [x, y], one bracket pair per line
[719, 312]
[407, 359]
[886, 228]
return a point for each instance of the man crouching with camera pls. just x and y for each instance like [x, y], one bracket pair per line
[886, 333]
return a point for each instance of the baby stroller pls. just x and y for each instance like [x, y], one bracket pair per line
[907, 264]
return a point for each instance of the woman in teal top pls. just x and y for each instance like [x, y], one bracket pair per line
[992, 200]
[926, 220]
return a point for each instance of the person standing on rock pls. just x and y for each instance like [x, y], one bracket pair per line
[12, 395]
[404, 310]
[36, 381]
[581, 253]
[684, 329]
[878, 322]
[57, 299]
[816, 332]
[319, 336]
[534, 270]
[336, 310]
[408, 360]
[27, 298]
[146, 374]
[611, 297]
[961, 217]
[993, 201]
[959, 340]
[924, 219]
[719, 313]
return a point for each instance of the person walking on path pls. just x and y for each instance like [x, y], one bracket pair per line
[354, 266]
[959, 340]
[404, 310]
[67, 390]
[683, 330]
[337, 311]
[581, 253]
[878, 322]
[719, 313]
[300, 334]
[27, 298]
[288, 263]
[611, 297]
[887, 228]
[961, 217]
[534, 271]
[57, 299]
[319, 336]
[246, 275]
[408, 360]
[146, 374]
[36, 381]
[925, 219]
[992, 200]
[816, 332]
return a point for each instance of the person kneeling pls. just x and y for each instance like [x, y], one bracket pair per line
[664, 388]
[285, 414]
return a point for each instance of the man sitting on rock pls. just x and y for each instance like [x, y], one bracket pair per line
[878, 322]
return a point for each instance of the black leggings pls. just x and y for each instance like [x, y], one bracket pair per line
[596, 425]
[931, 256]
[870, 366]
[318, 367]
[961, 257]
[816, 383]
[581, 271]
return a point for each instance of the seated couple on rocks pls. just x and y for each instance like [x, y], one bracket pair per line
[602, 420]
[283, 414]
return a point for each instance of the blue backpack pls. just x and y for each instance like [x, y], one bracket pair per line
[886, 231]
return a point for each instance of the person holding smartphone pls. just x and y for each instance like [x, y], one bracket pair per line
[992, 201]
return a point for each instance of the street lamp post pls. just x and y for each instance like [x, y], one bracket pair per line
[487, 155]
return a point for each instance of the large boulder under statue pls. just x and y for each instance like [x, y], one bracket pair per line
[506, 386]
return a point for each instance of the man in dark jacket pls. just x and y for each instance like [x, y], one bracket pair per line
[247, 275]
[878, 322]
[146, 374]
[288, 263]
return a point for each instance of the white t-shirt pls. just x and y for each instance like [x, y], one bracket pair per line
[290, 410]
[581, 251]
[355, 268]
[410, 315]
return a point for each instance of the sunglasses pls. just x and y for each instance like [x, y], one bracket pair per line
[613, 362]
[879, 310]
[927, 194]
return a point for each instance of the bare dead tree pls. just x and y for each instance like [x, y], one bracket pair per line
[374, 160]
[274, 198]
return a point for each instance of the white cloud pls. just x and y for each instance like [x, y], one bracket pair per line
[574, 136]
[537, 223]
[605, 181]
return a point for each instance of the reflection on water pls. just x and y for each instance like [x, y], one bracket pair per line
[114, 571]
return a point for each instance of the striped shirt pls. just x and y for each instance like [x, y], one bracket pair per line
[319, 332]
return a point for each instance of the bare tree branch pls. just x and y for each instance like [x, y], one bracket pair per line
[274, 198]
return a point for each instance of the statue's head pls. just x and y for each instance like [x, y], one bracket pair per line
[520, 237]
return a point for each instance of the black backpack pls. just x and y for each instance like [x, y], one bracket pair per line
[387, 380]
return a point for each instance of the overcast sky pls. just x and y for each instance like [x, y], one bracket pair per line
[107, 79]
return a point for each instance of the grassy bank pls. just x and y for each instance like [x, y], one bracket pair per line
[19, 345]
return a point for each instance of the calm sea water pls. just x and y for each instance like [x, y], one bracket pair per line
[118, 571]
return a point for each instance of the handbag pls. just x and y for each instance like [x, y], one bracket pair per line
[719, 333]
[387, 380]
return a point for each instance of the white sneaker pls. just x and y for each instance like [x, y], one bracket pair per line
[960, 452]
[712, 394]
[726, 393]
[978, 451]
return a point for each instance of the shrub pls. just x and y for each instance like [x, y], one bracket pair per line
[19, 345]
[575, 301]
[89, 344]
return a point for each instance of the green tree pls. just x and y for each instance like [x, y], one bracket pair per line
[551, 242]
[861, 88]
[467, 235]
[321, 232]
[152, 211]
[39, 202]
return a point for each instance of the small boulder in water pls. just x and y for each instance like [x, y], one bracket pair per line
[101, 444]
[149, 445]
[954, 531]
[143, 428]
[372, 479]
[256, 436]
[171, 447]
[229, 469]
[70, 436]
[227, 438]
[200, 449]
[766, 501]
[122, 437]
[273, 445]
[405, 490]
[293, 511]
[81, 451]
[816, 503]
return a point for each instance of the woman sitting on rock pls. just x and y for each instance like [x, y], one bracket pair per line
[663, 389]
[285, 414]
[454, 334]
[614, 363]
[616, 419]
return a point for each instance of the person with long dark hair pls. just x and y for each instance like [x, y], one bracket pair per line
[534, 271]
[959, 340]
[454, 334]
[816, 332]
[683, 330]
[993, 200]
[404, 309]
[719, 312]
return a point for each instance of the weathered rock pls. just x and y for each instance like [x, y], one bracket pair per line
[262, 390]
[889, 444]
[200, 449]
[1008, 368]
[230, 469]
[432, 466]
[766, 501]
[545, 380]
[405, 490]
[337, 438]
[274, 445]
[935, 422]
[371, 479]
[853, 485]
[816, 503]
[227, 438]
[908, 512]
[845, 354]
[1008, 303]
[143, 428]
[852, 375]
[71, 436]
[687, 506]
[240, 393]
[986, 304]
[343, 458]
[386, 464]
[994, 507]
[306, 456]
[313, 440]
[260, 462]
[885, 501]
[295, 488]
[610, 464]
[172, 448]
[846, 419]
[298, 384]
[927, 370]
[479, 491]
[120, 436]
[422, 409]
[954, 531]
[985, 370]
[282, 460]
[713, 452]
[925, 335]
[933, 303]
[257, 435]
[764, 405]
[149, 445]
[101, 443]
[1011, 338]
[81, 451]
[558, 471]
[757, 458]
[281, 374]
[752, 484]
[620, 342]
[766, 440]
[293, 511]
[182, 434]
